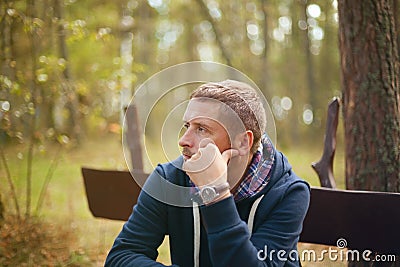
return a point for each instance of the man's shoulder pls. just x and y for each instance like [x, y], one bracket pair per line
[284, 177]
[171, 168]
[169, 184]
[172, 172]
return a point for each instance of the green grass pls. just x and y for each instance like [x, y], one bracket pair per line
[66, 204]
[301, 158]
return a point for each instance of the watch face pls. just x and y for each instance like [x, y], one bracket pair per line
[208, 194]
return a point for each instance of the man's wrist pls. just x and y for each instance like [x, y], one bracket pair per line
[223, 195]
[209, 194]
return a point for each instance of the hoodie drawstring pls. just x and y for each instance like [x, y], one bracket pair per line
[196, 226]
[250, 221]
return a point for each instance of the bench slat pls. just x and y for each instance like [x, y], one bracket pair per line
[111, 194]
[367, 220]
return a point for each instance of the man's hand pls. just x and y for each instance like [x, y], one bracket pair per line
[208, 166]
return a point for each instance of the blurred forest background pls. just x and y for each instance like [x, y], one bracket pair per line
[66, 67]
[61, 60]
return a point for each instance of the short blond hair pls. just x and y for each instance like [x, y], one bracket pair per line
[242, 99]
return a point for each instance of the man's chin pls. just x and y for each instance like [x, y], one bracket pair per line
[185, 157]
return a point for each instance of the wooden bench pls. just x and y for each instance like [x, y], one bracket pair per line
[366, 220]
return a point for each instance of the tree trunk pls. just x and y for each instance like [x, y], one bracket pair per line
[311, 85]
[370, 81]
[67, 85]
[396, 12]
[1, 210]
[218, 35]
[264, 74]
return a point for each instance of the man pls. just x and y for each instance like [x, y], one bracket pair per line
[248, 206]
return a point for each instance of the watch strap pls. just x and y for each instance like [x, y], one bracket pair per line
[217, 189]
[221, 187]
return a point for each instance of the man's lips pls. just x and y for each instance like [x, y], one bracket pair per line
[186, 154]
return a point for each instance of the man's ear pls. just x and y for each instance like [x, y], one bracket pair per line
[244, 142]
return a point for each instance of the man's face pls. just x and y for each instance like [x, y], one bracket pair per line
[201, 121]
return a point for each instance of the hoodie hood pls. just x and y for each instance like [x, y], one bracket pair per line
[280, 169]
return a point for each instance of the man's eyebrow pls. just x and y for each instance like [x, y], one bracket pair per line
[202, 124]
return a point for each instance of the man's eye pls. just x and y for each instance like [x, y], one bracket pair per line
[201, 129]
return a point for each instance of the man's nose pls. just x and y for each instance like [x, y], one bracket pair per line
[186, 139]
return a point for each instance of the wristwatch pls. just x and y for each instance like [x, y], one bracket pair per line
[208, 194]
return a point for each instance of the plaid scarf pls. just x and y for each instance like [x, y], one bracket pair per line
[259, 172]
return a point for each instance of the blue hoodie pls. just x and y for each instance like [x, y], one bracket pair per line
[223, 237]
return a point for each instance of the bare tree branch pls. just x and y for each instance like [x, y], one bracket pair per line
[10, 182]
[206, 14]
